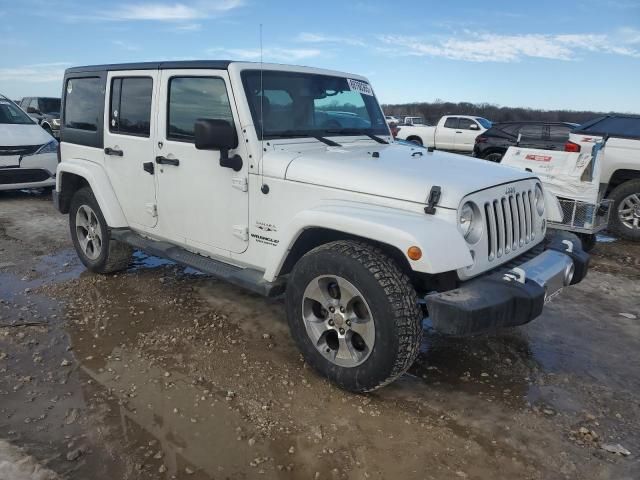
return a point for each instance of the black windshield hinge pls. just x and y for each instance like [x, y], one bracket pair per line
[432, 201]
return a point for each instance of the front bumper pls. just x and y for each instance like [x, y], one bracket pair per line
[511, 297]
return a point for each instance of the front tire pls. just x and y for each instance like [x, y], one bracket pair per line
[91, 236]
[625, 214]
[354, 315]
[494, 157]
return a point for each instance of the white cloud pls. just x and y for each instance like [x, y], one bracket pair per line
[126, 46]
[36, 73]
[308, 37]
[275, 54]
[488, 47]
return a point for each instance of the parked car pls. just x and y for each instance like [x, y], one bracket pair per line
[28, 156]
[492, 144]
[620, 166]
[413, 121]
[456, 133]
[188, 161]
[45, 111]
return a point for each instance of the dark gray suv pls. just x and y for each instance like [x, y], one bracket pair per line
[45, 111]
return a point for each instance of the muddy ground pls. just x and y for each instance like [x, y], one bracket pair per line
[161, 373]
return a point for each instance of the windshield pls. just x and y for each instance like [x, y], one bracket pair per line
[49, 105]
[291, 104]
[484, 122]
[13, 115]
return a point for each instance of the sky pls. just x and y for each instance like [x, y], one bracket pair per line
[581, 54]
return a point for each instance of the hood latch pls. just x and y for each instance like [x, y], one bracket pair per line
[432, 201]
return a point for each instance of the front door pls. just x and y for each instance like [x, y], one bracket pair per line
[201, 204]
[129, 146]
[466, 134]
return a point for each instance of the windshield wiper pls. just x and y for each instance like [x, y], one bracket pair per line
[295, 134]
[355, 131]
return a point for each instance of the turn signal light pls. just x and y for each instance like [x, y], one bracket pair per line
[414, 253]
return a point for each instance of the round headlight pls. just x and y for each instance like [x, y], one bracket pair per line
[465, 219]
[539, 200]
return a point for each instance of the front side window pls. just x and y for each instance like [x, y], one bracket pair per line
[83, 103]
[193, 98]
[11, 114]
[130, 112]
[311, 105]
[465, 124]
[49, 105]
[451, 122]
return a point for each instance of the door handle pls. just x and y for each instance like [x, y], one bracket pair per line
[148, 167]
[113, 151]
[167, 161]
[458, 131]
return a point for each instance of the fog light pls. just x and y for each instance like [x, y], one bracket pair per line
[568, 274]
[414, 253]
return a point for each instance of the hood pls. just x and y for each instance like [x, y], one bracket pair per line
[12, 135]
[400, 172]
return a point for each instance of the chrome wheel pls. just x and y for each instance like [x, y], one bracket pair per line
[629, 211]
[89, 232]
[338, 320]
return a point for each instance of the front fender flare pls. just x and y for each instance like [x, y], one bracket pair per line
[443, 247]
[102, 189]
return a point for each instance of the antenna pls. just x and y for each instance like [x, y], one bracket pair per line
[263, 188]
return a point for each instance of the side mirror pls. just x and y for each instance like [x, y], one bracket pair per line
[213, 134]
[474, 126]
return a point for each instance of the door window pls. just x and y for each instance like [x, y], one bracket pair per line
[193, 98]
[130, 112]
[451, 122]
[559, 133]
[465, 124]
[83, 103]
[531, 132]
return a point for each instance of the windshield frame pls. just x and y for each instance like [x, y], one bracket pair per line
[371, 104]
[27, 120]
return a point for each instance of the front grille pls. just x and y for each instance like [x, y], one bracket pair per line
[23, 175]
[510, 224]
[19, 150]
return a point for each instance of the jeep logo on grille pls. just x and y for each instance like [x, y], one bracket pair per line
[510, 191]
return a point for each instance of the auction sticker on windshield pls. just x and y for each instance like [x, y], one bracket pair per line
[360, 86]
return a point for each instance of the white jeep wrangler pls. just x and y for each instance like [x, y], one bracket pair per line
[286, 180]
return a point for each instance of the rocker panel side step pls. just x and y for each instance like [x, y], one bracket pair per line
[243, 277]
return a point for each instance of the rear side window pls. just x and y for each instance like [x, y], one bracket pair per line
[83, 103]
[559, 133]
[451, 122]
[531, 132]
[623, 126]
[193, 98]
[130, 106]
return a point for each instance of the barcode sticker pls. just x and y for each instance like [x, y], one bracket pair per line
[360, 86]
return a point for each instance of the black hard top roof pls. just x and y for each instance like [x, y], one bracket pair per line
[186, 64]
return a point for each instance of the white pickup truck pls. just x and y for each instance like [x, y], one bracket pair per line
[456, 133]
[620, 168]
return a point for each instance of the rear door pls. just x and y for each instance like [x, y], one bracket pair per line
[129, 143]
[445, 136]
[532, 136]
[466, 134]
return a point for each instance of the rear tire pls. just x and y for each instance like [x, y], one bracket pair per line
[91, 236]
[625, 213]
[494, 157]
[365, 330]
